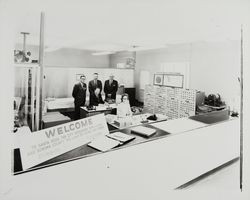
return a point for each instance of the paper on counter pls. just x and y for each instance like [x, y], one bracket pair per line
[145, 131]
[179, 125]
[103, 143]
[122, 137]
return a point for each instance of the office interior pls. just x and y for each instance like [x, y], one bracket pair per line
[199, 64]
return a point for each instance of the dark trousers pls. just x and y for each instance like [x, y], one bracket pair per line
[94, 100]
[77, 110]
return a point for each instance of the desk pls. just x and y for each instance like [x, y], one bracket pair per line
[84, 112]
[135, 120]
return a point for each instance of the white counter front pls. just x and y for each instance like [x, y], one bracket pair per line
[157, 166]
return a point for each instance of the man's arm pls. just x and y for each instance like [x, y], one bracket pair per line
[105, 87]
[116, 86]
[91, 91]
[75, 91]
[100, 86]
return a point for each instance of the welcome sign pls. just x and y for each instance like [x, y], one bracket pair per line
[45, 144]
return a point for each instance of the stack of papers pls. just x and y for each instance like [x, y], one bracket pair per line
[178, 125]
[121, 137]
[103, 143]
[144, 131]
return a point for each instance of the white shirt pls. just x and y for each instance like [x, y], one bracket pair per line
[124, 110]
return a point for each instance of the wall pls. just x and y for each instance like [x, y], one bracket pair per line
[214, 66]
[120, 57]
[59, 81]
[151, 61]
[75, 58]
[67, 57]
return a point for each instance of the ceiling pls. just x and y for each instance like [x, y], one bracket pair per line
[118, 25]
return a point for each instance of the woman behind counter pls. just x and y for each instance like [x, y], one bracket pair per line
[123, 108]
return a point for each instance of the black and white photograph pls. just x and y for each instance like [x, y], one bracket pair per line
[124, 99]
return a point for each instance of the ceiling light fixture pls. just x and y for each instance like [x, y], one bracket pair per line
[144, 48]
[103, 53]
[52, 48]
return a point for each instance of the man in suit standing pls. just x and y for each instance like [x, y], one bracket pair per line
[79, 94]
[110, 89]
[95, 89]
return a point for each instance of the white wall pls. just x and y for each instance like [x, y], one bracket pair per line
[59, 81]
[68, 57]
[214, 66]
[75, 58]
[61, 67]
[120, 57]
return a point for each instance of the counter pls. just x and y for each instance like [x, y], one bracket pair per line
[169, 159]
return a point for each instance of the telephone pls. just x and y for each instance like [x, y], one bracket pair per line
[214, 100]
[91, 108]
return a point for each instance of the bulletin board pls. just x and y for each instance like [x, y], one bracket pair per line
[173, 80]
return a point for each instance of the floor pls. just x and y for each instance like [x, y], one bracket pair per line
[227, 178]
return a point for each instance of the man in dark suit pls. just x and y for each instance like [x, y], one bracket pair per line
[79, 94]
[110, 88]
[95, 89]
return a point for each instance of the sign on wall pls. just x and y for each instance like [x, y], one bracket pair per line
[177, 68]
[45, 144]
[173, 80]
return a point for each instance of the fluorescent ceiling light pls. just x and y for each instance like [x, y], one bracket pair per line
[103, 53]
[144, 48]
[52, 48]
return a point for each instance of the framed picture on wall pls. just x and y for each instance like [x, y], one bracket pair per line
[158, 79]
[173, 80]
[78, 77]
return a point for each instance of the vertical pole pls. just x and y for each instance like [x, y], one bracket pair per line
[41, 58]
[37, 99]
[26, 110]
[24, 43]
[241, 109]
[33, 86]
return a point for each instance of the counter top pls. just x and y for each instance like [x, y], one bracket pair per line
[160, 165]
[163, 129]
